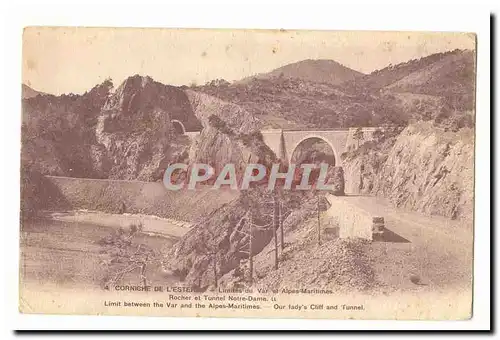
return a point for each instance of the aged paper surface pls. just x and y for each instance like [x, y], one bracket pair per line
[247, 173]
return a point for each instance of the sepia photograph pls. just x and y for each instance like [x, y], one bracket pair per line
[247, 173]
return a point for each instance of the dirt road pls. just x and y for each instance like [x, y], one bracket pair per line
[435, 253]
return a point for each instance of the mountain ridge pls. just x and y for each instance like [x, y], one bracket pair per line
[391, 74]
[55, 127]
[317, 70]
[29, 92]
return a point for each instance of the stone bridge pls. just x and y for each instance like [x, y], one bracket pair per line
[285, 142]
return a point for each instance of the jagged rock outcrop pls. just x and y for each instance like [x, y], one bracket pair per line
[335, 178]
[28, 92]
[229, 135]
[226, 232]
[223, 231]
[427, 169]
[217, 149]
[135, 128]
[58, 132]
[431, 171]
[129, 134]
[235, 117]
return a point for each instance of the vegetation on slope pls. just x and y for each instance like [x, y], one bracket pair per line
[424, 168]
[57, 132]
[308, 104]
[318, 71]
[28, 92]
[435, 87]
[449, 75]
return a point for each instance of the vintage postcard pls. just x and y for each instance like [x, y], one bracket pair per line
[247, 173]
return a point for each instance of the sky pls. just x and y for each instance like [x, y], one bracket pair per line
[73, 60]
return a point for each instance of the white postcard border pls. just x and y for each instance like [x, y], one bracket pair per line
[423, 15]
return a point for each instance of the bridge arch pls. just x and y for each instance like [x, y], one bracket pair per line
[336, 156]
[178, 126]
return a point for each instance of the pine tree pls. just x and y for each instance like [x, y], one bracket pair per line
[358, 135]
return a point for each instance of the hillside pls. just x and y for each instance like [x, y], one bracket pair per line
[57, 132]
[127, 132]
[136, 130]
[386, 76]
[229, 134]
[123, 134]
[318, 71]
[424, 168]
[28, 92]
[222, 229]
[436, 87]
[294, 103]
[451, 77]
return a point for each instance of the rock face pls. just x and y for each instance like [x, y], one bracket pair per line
[235, 117]
[431, 171]
[129, 133]
[135, 127]
[229, 135]
[217, 149]
[58, 132]
[125, 134]
[213, 147]
[362, 170]
[223, 231]
[336, 178]
[338, 265]
[427, 170]
[226, 231]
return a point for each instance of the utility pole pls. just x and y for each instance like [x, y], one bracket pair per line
[281, 226]
[143, 272]
[212, 248]
[212, 251]
[249, 232]
[275, 231]
[215, 269]
[319, 225]
[250, 252]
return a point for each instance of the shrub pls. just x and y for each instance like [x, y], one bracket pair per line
[220, 125]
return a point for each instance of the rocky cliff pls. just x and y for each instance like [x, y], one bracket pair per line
[222, 238]
[135, 127]
[235, 117]
[229, 136]
[425, 169]
[129, 133]
[58, 132]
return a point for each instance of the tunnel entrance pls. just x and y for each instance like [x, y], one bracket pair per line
[313, 150]
[178, 127]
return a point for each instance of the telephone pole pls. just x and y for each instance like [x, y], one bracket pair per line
[215, 269]
[275, 231]
[248, 232]
[282, 241]
[250, 251]
[319, 225]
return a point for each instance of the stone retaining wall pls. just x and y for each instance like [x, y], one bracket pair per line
[353, 221]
